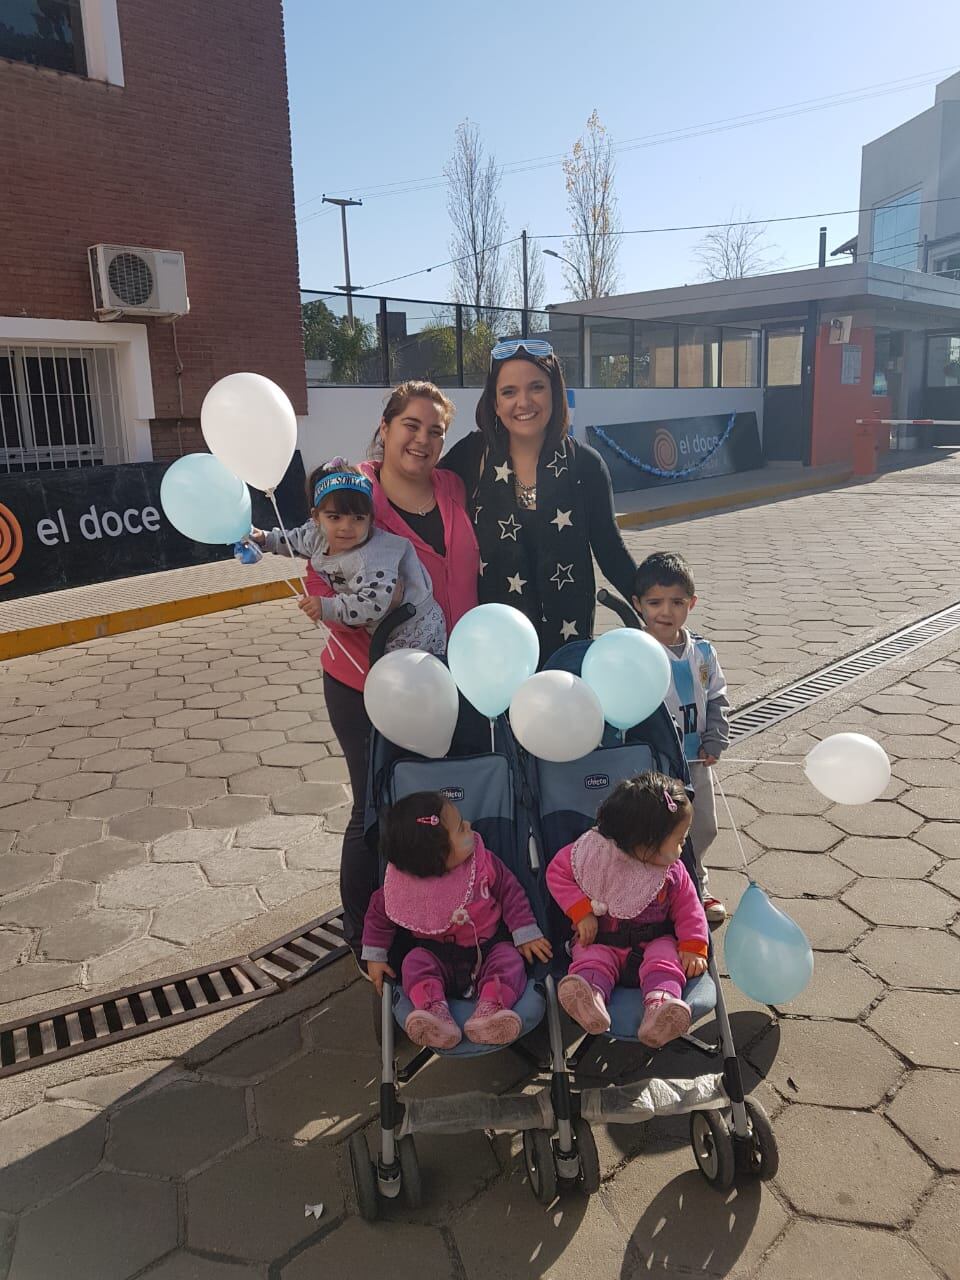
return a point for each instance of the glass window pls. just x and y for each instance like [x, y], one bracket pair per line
[741, 358]
[608, 342]
[336, 350]
[943, 360]
[564, 335]
[784, 357]
[45, 33]
[653, 356]
[699, 357]
[948, 266]
[422, 338]
[896, 232]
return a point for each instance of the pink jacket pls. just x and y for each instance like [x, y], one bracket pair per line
[454, 575]
[496, 892]
[677, 902]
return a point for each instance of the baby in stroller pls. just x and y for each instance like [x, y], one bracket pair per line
[637, 916]
[469, 916]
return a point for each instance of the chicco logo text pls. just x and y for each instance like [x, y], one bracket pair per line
[452, 793]
[596, 781]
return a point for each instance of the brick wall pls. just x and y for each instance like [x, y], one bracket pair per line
[193, 153]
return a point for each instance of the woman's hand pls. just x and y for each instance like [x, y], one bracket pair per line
[586, 929]
[311, 606]
[377, 970]
[538, 949]
[693, 965]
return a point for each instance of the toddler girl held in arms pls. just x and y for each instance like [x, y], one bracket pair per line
[472, 922]
[637, 916]
[363, 565]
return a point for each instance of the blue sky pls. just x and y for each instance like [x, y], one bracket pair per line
[377, 89]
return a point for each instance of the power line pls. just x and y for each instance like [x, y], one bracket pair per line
[805, 106]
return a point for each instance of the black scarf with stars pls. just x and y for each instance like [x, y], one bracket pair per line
[538, 561]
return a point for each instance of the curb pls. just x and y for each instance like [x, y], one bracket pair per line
[55, 635]
[723, 502]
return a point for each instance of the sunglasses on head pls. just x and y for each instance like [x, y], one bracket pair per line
[538, 347]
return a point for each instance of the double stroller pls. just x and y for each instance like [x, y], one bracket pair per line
[526, 810]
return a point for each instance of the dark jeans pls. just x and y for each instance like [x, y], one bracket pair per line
[359, 870]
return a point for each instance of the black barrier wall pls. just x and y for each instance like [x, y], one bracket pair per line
[674, 445]
[82, 525]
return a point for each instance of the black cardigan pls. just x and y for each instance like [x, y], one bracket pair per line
[596, 490]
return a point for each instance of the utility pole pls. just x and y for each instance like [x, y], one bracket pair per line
[823, 248]
[347, 288]
[526, 283]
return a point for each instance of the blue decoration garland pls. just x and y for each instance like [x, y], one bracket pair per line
[619, 450]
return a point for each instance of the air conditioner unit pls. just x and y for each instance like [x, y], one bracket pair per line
[840, 327]
[139, 282]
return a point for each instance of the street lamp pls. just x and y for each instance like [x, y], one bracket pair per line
[551, 253]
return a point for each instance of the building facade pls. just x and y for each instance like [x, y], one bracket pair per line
[148, 125]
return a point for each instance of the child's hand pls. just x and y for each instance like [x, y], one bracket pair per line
[311, 607]
[586, 929]
[693, 965]
[538, 949]
[707, 758]
[377, 971]
[258, 536]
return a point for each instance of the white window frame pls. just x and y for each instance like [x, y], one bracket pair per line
[101, 39]
[132, 359]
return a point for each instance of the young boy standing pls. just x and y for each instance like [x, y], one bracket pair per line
[664, 594]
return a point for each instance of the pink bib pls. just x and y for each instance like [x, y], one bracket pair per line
[430, 904]
[616, 884]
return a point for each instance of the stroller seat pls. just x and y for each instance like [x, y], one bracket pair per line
[530, 1009]
[626, 1006]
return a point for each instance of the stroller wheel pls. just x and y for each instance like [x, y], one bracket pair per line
[541, 1170]
[364, 1178]
[588, 1179]
[410, 1171]
[713, 1148]
[763, 1159]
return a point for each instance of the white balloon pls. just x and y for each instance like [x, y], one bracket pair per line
[411, 699]
[848, 768]
[249, 425]
[556, 716]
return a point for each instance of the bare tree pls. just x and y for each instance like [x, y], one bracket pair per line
[536, 284]
[736, 250]
[589, 171]
[473, 202]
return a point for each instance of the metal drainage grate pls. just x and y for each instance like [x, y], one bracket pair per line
[796, 697]
[307, 949]
[136, 1011]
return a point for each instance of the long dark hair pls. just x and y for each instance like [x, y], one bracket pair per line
[487, 420]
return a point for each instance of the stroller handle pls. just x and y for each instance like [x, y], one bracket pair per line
[395, 618]
[624, 611]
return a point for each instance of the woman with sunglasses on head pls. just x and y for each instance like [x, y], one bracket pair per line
[413, 499]
[542, 504]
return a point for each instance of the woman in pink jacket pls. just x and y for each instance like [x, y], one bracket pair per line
[413, 499]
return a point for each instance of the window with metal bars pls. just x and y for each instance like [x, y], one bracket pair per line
[59, 407]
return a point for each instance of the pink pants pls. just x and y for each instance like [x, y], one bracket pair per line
[660, 969]
[503, 976]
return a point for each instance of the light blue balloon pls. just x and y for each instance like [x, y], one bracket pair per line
[491, 651]
[204, 501]
[629, 672]
[768, 955]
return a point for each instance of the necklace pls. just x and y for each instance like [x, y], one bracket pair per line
[526, 494]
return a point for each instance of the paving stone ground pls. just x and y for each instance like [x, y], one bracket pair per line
[192, 1153]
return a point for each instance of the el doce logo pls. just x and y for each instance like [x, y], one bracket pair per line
[11, 543]
[664, 450]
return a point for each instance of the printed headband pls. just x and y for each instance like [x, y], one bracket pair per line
[334, 480]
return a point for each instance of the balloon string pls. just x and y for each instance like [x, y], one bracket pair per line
[736, 833]
[780, 764]
[329, 637]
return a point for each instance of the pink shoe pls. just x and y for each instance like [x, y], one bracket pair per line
[433, 1026]
[665, 1017]
[584, 1004]
[491, 1023]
